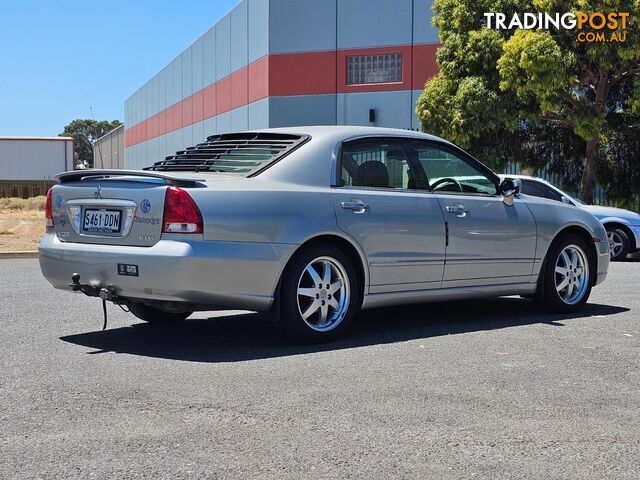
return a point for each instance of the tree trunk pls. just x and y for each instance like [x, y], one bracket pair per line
[588, 183]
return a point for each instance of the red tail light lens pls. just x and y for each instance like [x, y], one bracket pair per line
[48, 212]
[181, 214]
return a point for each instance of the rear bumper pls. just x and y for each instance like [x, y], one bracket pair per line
[233, 275]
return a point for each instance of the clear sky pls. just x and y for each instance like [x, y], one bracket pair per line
[57, 59]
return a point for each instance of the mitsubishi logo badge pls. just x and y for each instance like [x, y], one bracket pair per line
[98, 192]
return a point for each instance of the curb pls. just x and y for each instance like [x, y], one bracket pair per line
[18, 255]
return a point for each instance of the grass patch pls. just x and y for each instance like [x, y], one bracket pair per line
[22, 204]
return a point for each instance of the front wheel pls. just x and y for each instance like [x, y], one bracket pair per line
[318, 294]
[155, 315]
[618, 243]
[566, 283]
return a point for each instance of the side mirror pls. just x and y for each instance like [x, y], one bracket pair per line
[566, 200]
[509, 188]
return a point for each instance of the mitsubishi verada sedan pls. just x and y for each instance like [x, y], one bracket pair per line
[312, 224]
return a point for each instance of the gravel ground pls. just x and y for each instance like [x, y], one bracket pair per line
[482, 389]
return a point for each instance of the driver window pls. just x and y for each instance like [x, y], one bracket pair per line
[449, 173]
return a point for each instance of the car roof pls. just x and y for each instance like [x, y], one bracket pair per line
[342, 132]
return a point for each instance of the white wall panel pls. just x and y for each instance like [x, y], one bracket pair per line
[187, 137]
[196, 60]
[299, 26]
[198, 132]
[259, 114]
[224, 122]
[393, 109]
[209, 57]
[239, 119]
[210, 126]
[187, 74]
[33, 159]
[415, 123]
[170, 91]
[367, 23]
[223, 48]
[258, 28]
[238, 51]
[177, 81]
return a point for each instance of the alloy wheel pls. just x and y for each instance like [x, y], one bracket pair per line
[323, 294]
[571, 274]
[615, 243]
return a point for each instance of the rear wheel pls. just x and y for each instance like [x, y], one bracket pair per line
[566, 283]
[155, 315]
[618, 243]
[318, 294]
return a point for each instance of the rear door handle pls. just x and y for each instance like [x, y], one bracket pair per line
[357, 206]
[457, 210]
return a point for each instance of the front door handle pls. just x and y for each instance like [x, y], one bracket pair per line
[457, 210]
[357, 206]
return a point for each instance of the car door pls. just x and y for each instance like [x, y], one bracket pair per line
[489, 242]
[381, 201]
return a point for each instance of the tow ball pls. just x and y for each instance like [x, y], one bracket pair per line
[105, 294]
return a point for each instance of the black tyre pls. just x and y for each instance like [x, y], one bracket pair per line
[619, 244]
[567, 275]
[319, 294]
[154, 315]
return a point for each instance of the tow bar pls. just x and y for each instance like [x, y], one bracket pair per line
[105, 293]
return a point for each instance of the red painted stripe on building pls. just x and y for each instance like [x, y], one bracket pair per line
[423, 70]
[307, 73]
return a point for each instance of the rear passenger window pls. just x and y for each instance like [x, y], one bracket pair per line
[379, 163]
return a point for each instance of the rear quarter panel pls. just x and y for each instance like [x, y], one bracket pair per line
[257, 210]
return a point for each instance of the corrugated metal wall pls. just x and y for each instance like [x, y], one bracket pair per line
[108, 150]
[207, 89]
[34, 158]
[237, 39]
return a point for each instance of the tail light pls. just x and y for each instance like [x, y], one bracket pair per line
[181, 214]
[48, 212]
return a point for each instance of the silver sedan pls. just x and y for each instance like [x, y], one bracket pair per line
[313, 224]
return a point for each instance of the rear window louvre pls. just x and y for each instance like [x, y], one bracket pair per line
[240, 153]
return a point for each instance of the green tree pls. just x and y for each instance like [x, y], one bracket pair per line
[85, 132]
[538, 96]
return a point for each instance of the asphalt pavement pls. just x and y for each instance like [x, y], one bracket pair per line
[477, 389]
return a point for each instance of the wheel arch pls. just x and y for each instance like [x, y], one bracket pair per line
[625, 229]
[348, 246]
[583, 233]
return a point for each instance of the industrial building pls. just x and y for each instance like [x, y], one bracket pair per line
[108, 150]
[274, 63]
[28, 165]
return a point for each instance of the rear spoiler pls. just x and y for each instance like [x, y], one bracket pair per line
[104, 174]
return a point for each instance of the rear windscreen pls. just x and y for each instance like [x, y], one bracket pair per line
[240, 153]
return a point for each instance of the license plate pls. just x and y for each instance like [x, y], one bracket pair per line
[101, 221]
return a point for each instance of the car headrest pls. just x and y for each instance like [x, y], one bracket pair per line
[372, 174]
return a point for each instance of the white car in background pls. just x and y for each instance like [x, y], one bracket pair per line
[622, 226]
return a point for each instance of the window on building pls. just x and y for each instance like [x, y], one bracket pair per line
[383, 68]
